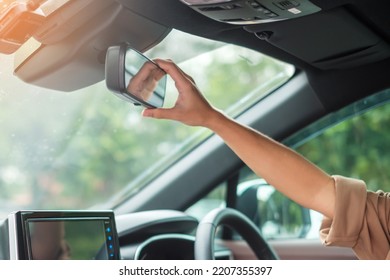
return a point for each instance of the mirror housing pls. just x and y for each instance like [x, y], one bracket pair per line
[133, 77]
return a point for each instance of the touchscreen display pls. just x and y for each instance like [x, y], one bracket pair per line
[61, 235]
[70, 239]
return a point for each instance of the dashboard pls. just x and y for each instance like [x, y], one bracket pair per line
[149, 235]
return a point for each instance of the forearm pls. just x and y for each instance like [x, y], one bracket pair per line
[280, 166]
[287, 171]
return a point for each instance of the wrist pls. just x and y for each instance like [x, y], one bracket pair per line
[215, 120]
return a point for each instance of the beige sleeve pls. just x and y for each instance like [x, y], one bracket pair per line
[360, 220]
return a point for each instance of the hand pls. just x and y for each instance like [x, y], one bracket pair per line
[191, 106]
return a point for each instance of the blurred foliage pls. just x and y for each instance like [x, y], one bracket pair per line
[357, 147]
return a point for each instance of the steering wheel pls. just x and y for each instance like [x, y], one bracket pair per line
[205, 234]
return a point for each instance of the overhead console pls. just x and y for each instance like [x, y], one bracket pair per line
[244, 12]
[333, 38]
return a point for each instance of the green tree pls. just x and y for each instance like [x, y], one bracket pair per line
[358, 147]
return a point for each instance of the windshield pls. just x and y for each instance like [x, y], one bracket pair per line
[75, 150]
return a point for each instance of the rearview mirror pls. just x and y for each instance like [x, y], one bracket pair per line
[135, 78]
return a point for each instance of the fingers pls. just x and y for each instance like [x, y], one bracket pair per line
[144, 72]
[191, 107]
[145, 81]
[180, 77]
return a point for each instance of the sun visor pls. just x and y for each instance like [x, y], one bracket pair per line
[334, 39]
[68, 51]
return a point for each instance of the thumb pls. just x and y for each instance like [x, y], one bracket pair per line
[159, 113]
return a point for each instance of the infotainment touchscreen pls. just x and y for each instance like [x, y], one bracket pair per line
[63, 235]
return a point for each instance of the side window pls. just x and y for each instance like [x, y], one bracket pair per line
[275, 215]
[215, 199]
[352, 142]
[357, 147]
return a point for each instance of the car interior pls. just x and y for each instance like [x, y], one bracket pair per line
[193, 199]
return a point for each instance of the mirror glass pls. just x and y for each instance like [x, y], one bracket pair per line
[145, 80]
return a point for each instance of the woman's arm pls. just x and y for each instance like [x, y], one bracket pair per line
[280, 166]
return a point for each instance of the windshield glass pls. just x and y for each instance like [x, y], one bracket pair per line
[75, 150]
